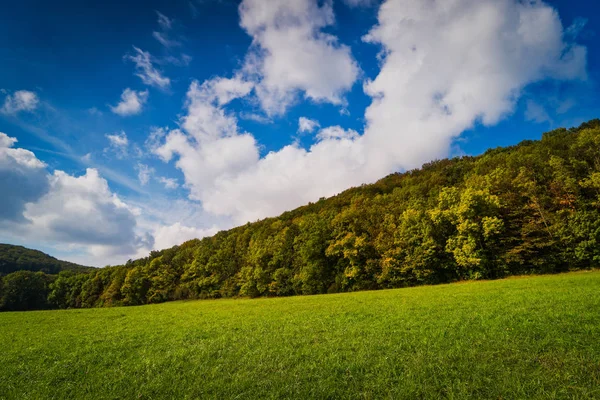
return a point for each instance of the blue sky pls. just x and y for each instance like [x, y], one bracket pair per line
[140, 126]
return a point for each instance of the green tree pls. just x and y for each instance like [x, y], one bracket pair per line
[24, 290]
[474, 216]
[135, 287]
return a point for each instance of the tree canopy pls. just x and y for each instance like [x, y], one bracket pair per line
[529, 208]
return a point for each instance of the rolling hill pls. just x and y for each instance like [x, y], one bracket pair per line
[18, 258]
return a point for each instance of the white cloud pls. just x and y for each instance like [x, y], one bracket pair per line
[210, 145]
[12, 156]
[118, 143]
[154, 138]
[65, 211]
[258, 118]
[337, 132]
[447, 65]
[131, 102]
[288, 178]
[176, 234]
[222, 169]
[23, 178]
[444, 67]
[82, 210]
[21, 100]
[146, 70]
[226, 89]
[170, 183]
[144, 173]
[536, 112]
[292, 55]
[307, 125]
[118, 139]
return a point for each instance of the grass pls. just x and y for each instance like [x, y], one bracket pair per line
[535, 337]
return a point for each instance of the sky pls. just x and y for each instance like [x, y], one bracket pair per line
[129, 127]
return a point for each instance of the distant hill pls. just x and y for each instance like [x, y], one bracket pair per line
[18, 258]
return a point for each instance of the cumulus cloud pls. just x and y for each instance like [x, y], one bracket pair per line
[171, 235]
[64, 210]
[291, 54]
[445, 66]
[83, 210]
[288, 178]
[306, 125]
[131, 102]
[118, 143]
[337, 132]
[222, 169]
[23, 178]
[146, 71]
[21, 100]
[211, 144]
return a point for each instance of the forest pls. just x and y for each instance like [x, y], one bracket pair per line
[19, 258]
[527, 209]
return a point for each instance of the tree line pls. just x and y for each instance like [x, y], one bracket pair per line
[529, 208]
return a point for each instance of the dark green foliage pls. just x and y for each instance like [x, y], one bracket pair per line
[18, 258]
[24, 290]
[530, 208]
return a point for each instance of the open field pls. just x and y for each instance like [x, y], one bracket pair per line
[535, 337]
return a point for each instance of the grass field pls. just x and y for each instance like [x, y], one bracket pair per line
[536, 337]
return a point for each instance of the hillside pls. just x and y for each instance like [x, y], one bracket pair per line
[526, 209]
[18, 258]
[524, 338]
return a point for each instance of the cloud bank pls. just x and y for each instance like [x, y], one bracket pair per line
[60, 208]
[444, 66]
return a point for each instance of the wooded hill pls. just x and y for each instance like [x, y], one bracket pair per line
[529, 208]
[19, 258]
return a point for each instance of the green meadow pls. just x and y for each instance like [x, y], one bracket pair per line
[525, 337]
